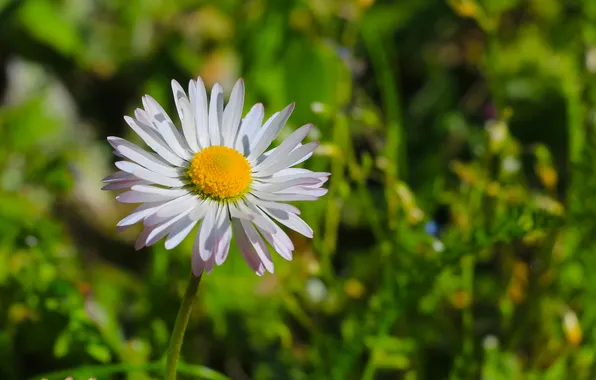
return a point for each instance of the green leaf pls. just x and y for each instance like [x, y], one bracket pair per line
[61, 347]
[99, 352]
[45, 21]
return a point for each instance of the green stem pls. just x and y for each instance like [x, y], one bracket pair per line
[106, 370]
[180, 326]
[101, 370]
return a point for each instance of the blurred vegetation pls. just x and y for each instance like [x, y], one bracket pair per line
[458, 237]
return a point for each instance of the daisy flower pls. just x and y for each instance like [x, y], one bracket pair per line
[217, 172]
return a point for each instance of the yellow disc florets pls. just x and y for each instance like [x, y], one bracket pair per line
[220, 173]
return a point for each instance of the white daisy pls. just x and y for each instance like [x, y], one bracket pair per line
[217, 172]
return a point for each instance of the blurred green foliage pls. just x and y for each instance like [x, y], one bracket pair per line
[457, 238]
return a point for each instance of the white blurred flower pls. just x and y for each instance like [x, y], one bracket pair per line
[438, 246]
[215, 171]
[591, 59]
[316, 289]
[511, 164]
[317, 107]
[31, 241]
[490, 342]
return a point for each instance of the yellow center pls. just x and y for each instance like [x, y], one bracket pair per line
[220, 173]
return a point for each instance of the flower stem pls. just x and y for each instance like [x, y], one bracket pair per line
[180, 326]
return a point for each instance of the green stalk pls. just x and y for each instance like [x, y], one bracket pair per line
[180, 326]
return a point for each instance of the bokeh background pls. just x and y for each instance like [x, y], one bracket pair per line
[458, 238]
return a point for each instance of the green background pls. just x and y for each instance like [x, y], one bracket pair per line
[458, 238]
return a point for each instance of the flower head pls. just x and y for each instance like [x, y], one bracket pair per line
[217, 173]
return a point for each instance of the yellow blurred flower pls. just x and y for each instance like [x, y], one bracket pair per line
[515, 194]
[548, 176]
[365, 3]
[208, 22]
[520, 272]
[493, 189]
[534, 237]
[404, 194]
[572, 328]
[498, 134]
[519, 280]
[18, 313]
[220, 66]
[415, 215]
[549, 204]
[466, 172]
[328, 150]
[465, 8]
[461, 299]
[516, 293]
[300, 19]
[354, 288]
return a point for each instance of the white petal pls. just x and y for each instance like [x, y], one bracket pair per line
[118, 176]
[286, 176]
[215, 114]
[271, 132]
[139, 214]
[172, 193]
[280, 241]
[186, 116]
[142, 239]
[202, 209]
[273, 187]
[207, 226]
[136, 197]
[143, 158]
[288, 159]
[225, 231]
[273, 150]
[148, 175]
[145, 193]
[121, 180]
[291, 221]
[306, 157]
[179, 231]
[248, 211]
[261, 270]
[197, 263]
[287, 146]
[280, 197]
[236, 213]
[299, 171]
[155, 142]
[201, 114]
[144, 119]
[124, 184]
[210, 264]
[249, 127]
[274, 205]
[172, 208]
[166, 127]
[259, 132]
[165, 228]
[258, 244]
[246, 248]
[232, 114]
[321, 182]
[304, 191]
[218, 240]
